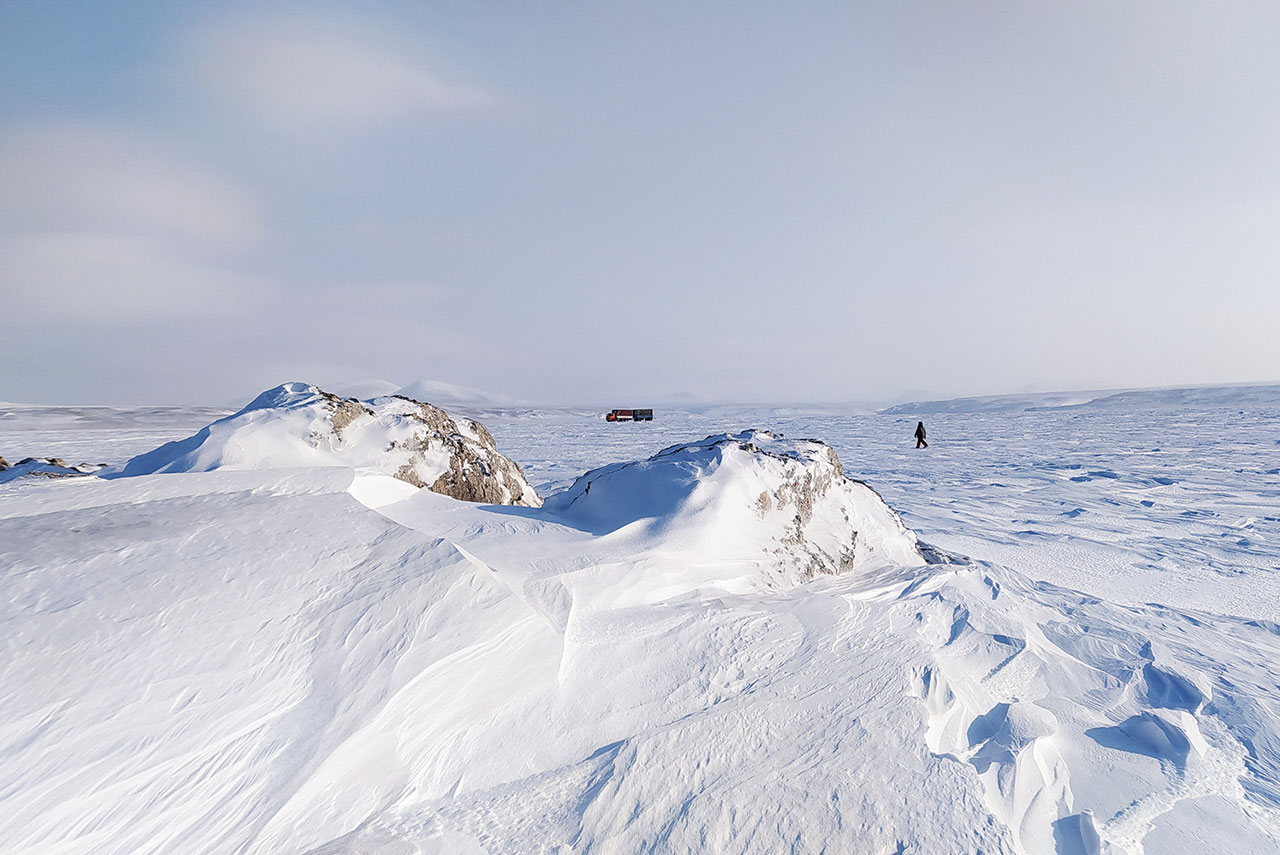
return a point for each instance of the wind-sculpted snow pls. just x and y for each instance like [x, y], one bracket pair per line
[297, 425]
[1097, 728]
[784, 504]
[254, 661]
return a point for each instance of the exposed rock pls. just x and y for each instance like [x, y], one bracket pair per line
[475, 471]
[764, 503]
[48, 467]
[300, 425]
[751, 494]
[345, 411]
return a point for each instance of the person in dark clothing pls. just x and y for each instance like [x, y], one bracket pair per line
[920, 443]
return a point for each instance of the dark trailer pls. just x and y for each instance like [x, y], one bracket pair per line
[629, 416]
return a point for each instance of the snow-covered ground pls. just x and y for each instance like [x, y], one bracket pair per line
[305, 660]
[95, 434]
[1176, 506]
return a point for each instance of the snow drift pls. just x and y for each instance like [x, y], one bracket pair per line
[785, 505]
[299, 425]
[638, 666]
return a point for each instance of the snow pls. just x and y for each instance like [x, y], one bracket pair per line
[299, 425]
[316, 659]
[1190, 516]
[751, 497]
[1238, 395]
[94, 434]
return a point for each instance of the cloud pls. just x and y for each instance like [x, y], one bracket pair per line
[114, 279]
[292, 70]
[81, 177]
[103, 226]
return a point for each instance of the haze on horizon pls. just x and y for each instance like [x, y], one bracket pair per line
[568, 202]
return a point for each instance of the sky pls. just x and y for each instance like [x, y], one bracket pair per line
[628, 202]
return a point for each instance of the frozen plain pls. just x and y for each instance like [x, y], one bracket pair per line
[254, 661]
[1155, 504]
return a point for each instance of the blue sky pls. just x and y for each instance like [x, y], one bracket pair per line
[585, 202]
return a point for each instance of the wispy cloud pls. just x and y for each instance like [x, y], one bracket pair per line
[301, 70]
[114, 279]
[102, 226]
[84, 177]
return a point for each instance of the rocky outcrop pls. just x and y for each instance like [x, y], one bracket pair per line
[44, 467]
[297, 425]
[756, 497]
[475, 470]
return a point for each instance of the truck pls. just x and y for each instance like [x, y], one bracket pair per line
[632, 415]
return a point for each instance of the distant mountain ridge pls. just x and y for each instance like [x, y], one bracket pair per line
[450, 393]
[1252, 395]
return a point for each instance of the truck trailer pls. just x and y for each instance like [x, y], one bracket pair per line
[629, 416]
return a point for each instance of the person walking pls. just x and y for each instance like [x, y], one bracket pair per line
[920, 443]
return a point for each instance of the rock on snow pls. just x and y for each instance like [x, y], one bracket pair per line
[48, 467]
[726, 647]
[297, 425]
[753, 496]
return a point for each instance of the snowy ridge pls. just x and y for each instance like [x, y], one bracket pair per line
[299, 425]
[366, 389]
[748, 495]
[1193, 397]
[451, 393]
[637, 666]
[1260, 395]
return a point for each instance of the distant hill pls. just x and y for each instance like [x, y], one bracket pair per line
[995, 403]
[440, 392]
[365, 389]
[1261, 395]
[1195, 396]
